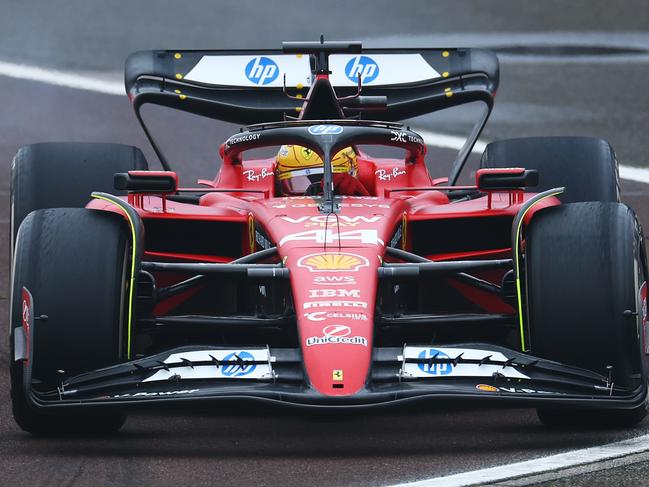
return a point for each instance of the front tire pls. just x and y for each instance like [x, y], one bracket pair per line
[73, 261]
[585, 267]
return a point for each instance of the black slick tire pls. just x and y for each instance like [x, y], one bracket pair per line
[73, 262]
[585, 166]
[584, 268]
[63, 174]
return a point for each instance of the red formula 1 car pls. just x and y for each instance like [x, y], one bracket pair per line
[323, 277]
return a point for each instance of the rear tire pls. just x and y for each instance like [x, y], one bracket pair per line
[73, 261]
[63, 174]
[585, 166]
[584, 266]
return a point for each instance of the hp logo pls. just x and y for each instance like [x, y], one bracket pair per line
[363, 65]
[238, 370]
[262, 70]
[325, 129]
[435, 368]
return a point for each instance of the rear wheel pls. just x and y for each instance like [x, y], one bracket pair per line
[585, 166]
[63, 174]
[73, 261]
[584, 265]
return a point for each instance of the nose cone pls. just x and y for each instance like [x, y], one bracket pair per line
[334, 296]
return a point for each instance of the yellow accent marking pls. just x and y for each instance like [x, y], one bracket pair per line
[298, 109]
[447, 89]
[178, 55]
[449, 94]
[251, 232]
[299, 86]
[445, 54]
[445, 74]
[299, 56]
[404, 229]
[132, 286]
[178, 92]
[182, 97]
[299, 95]
[517, 269]
[179, 76]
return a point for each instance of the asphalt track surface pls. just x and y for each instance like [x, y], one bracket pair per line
[600, 95]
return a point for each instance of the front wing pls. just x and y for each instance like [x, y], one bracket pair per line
[466, 373]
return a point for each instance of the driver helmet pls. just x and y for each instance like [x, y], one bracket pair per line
[298, 167]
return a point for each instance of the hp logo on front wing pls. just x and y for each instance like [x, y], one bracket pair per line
[262, 70]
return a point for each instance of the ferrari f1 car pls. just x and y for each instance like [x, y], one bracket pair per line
[317, 287]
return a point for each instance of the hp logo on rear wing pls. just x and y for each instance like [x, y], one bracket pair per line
[364, 66]
[262, 70]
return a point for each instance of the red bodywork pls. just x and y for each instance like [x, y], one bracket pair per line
[333, 259]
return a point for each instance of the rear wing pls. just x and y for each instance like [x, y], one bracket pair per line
[247, 87]
[314, 80]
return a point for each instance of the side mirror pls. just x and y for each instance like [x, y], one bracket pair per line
[506, 178]
[162, 182]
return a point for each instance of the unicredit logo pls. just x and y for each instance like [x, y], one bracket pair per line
[336, 335]
[337, 330]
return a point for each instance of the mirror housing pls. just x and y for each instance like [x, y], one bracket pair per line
[161, 182]
[503, 179]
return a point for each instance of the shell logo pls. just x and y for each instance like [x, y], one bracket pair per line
[333, 262]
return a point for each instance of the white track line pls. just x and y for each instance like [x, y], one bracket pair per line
[61, 78]
[80, 81]
[541, 465]
[449, 141]
[630, 173]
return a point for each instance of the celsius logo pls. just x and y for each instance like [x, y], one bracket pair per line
[262, 70]
[325, 129]
[434, 368]
[240, 369]
[364, 66]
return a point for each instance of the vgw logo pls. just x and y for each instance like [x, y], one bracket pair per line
[434, 368]
[325, 129]
[363, 65]
[240, 369]
[262, 70]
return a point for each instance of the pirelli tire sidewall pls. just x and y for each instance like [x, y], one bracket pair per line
[72, 261]
[584, 266]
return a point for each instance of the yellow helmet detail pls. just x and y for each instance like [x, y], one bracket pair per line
[295, 160]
